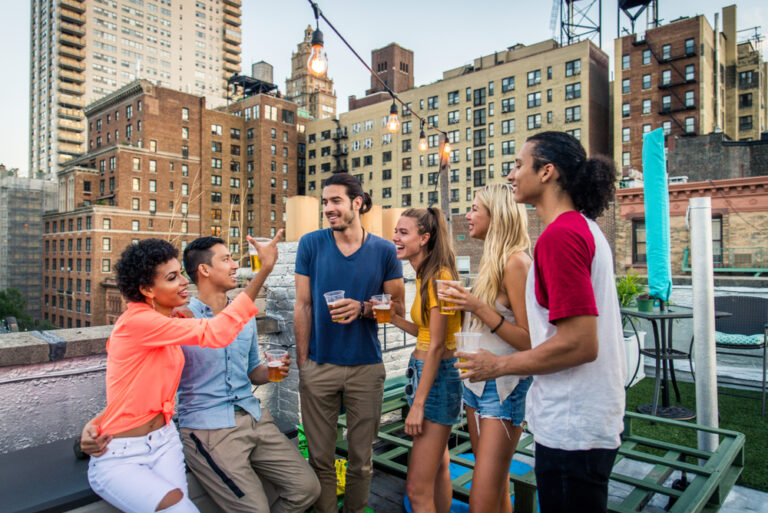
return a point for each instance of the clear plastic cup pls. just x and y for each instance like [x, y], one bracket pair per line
[382, 311]
[275, 363]
[255, 261]
[330, 299]
[467, 342]
[442, 288]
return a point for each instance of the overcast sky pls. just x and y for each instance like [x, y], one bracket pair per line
[442, 34]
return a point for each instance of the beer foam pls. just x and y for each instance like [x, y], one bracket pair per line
[381, 307]
[275, 363]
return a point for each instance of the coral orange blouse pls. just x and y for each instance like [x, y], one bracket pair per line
[144, 360]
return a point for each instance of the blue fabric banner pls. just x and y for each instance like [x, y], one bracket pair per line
[657, 245]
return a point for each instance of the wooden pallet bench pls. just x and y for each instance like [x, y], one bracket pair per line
[711, 475]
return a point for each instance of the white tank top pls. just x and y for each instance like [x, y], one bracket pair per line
[496, 345]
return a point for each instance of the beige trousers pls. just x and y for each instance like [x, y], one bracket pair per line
[323, 388]
[251, 467]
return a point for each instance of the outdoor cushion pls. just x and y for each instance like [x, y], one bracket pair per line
[737, 339]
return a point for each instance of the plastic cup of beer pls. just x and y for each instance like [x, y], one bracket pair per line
[382, 310]
[330, 298]
[275, 363]
[255, 261]
[467, 342]
[442, 289]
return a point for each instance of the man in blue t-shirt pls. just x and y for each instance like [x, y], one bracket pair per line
[337, 350]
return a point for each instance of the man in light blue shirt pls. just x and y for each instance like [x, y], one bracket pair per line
[231, 443]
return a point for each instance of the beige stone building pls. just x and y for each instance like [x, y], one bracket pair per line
[487, 108]
[747, 93]
[82, 50]
[309, 92]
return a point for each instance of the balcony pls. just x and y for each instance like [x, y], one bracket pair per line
[69, 87]
[71, 101]
[233, 10]
[668, 85]
[75, 114]
[69, 51]
[71, 64]
[72, 5]
[232, 20]
[339, 133]
[233, 58]
[232, 49]
[76, 126]
[75, 41]
[71, 76]
[340, 152]
[70, 149]
[232, 36]
[72, 28]
[750, 260]
[70, 137]
[232, 68]
[236, 3]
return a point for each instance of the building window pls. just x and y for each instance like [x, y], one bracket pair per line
[646, 106]
[534, 121]
[625, 159]
[508, 147]
[136, 184]
[507, 84]
[646, 82]
[690, 72]
[406, 201]
[625, 110]
[690, 125]
[534, 77]
[572, 68]
[625, 134]
[507, 105]
[625, 61]
[625, 86]
[638, 241]
[136, 164]
[666, 52]
[646, 128]
[690, 99]
[690, 46]
[666, 103]
[667, 127]
[666, 78]
[573, 91]
[573, 114]
[745, 100]
[184, 114]
[534, 100]
[646, 57]
[745, 122]
[105, 265]
[717, 240]
[134, 226]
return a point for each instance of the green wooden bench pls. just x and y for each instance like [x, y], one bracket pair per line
[711, 475]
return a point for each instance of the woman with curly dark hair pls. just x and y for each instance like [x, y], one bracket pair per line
[141, 468]
[575, 407]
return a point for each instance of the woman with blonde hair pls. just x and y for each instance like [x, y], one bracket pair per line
[434, 389]
[496, 408]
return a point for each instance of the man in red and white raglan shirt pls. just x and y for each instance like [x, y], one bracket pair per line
[575, 406]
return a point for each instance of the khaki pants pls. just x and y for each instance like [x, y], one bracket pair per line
[321, 387]
[251, 467]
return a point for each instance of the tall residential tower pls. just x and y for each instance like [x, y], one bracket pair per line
[82, 50]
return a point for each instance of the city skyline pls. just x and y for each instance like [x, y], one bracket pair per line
[435, 50]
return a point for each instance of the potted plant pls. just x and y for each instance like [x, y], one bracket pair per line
[628, 288]
[645, 303]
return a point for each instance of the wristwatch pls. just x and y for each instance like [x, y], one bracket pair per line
[362, 310]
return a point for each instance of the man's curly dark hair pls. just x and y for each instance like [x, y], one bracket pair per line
[590, 182]
[138, 264]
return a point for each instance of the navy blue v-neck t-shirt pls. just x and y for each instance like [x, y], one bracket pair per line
[360, 275]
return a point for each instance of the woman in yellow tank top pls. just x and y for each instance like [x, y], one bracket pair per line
[434, 391]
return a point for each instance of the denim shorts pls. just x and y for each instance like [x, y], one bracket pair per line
[490, 406]
[443, 404]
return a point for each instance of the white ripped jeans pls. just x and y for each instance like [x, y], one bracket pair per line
[137, 472]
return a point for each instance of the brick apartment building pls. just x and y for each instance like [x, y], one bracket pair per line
[162, 165]
[688, 79]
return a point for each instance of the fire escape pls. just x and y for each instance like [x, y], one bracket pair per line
[341, 152]
[671, 84]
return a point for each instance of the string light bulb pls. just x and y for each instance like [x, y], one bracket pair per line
[447, 148]
[393, 124]
[318, 62]
[422, 138]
